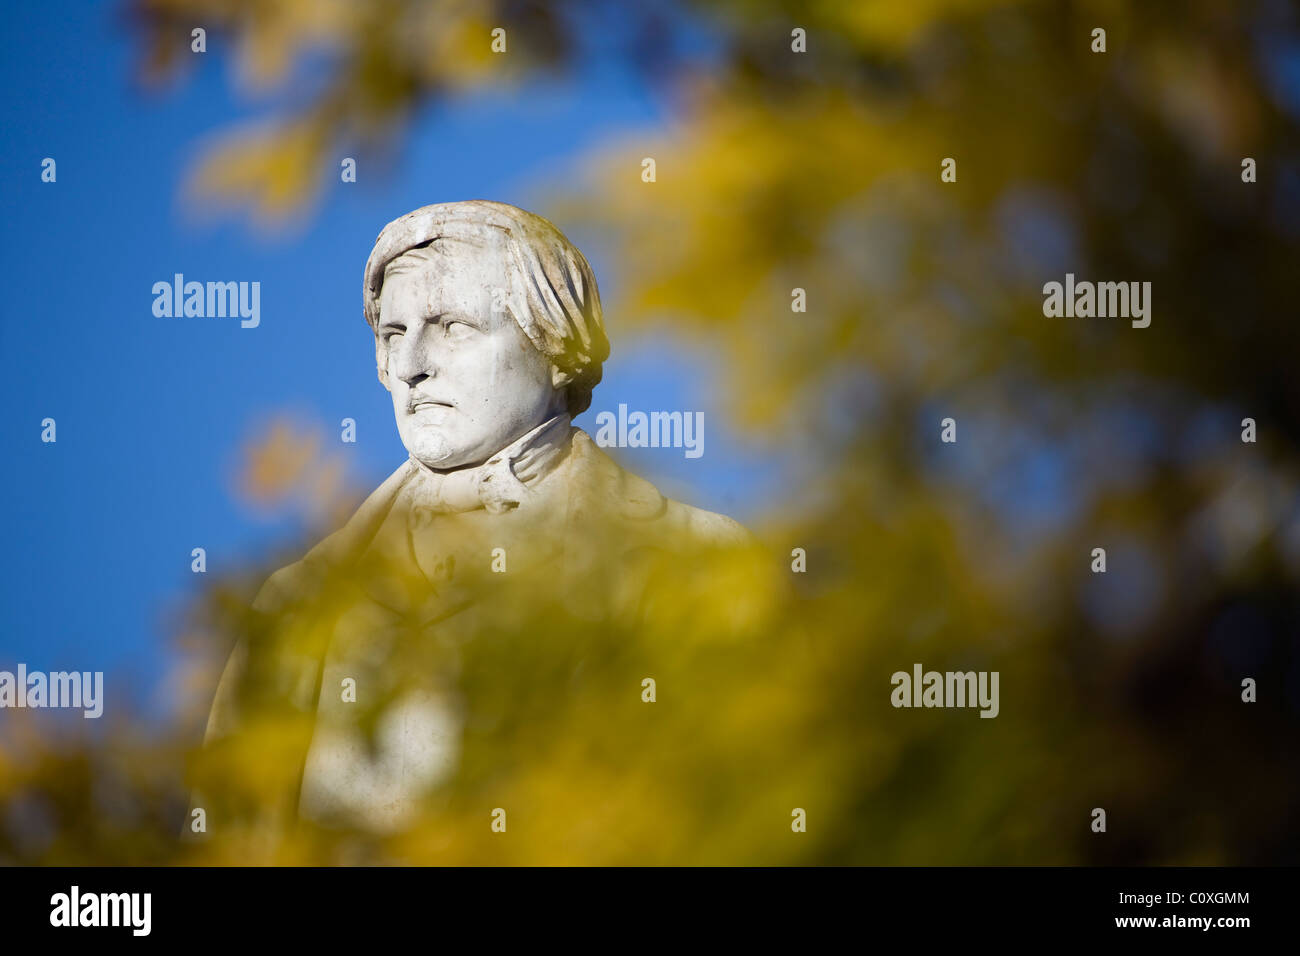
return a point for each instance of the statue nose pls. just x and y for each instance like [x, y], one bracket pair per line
[411, 360]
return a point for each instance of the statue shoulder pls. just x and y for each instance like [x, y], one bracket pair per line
[295, 580]
[709, 527]
[639, 502]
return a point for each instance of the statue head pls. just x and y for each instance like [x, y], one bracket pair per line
[487, 323]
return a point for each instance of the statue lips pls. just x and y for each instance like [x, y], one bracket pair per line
[423, 404]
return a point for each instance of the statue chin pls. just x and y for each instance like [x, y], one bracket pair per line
[449, 445]
[444, 459]
[434, 450]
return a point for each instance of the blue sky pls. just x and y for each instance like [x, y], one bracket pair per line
[152, 413]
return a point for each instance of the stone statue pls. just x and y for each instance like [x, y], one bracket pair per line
[489, 336]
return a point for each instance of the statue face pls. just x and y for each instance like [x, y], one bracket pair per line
[465, 379]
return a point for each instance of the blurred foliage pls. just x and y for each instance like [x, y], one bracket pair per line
[285, 464]
[352, 74]
[821, 171]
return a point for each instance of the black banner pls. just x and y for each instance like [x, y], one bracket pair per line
[234, 905]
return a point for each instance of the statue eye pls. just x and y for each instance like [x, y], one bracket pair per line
[457, 328]
[391, 332]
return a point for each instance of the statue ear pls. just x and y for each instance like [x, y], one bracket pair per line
[559, 377]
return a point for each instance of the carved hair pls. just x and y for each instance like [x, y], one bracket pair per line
[550, 288]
